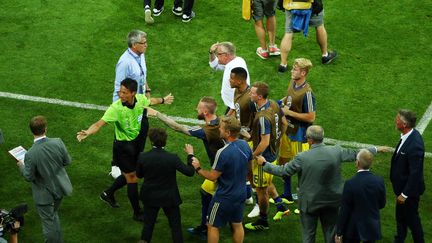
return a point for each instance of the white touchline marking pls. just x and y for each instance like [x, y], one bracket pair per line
[79, 105]
[426, 120]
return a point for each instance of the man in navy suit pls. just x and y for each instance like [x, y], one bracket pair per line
[362, 198]
[406, 175]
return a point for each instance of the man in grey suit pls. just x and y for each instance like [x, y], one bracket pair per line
[320, 182]
[43, 166]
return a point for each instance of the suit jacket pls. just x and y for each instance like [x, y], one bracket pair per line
[158, 168]
[44, 166]
[320, 179]
[363, 196]
[406, 171]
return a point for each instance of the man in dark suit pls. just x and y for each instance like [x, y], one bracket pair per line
[362, 198]
[43, 166]
[159, 189]
[210, 136]
[406, 175]
[320, 182]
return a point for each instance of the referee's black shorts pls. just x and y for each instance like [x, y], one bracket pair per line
[125, 153]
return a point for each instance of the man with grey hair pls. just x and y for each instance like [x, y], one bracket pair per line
[222, 56]
[132, 65]
[406, 176]
[362, 198]
[320, 182]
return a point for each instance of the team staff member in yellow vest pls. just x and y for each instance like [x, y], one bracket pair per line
[210, 135]
[243, 111]
[126, 115]
[267, 128]
[299, 106]
[243, 107]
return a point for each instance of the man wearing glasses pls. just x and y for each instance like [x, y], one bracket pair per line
[222, 56]
[132, 65]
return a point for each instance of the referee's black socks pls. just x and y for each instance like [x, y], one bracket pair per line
[118, 183]
[132, 192]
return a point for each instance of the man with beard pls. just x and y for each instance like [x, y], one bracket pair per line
[209, 134]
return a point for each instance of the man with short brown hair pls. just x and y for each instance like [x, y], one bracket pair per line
[44, 166]
[209, 134]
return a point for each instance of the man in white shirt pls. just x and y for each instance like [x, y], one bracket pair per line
[222, 56]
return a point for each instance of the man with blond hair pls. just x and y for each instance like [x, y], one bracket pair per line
[299, 107]
[222, 57]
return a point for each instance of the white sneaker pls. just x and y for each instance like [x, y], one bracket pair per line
[148, 16]
[249, 201]
[115, 172]
[255, 212]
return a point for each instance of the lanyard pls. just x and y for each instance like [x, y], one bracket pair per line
[138, 62]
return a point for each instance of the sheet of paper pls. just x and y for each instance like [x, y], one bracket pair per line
[18, 153]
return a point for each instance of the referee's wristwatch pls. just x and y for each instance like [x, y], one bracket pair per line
[198, 169]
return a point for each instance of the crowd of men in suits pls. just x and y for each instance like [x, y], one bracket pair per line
[268, 125]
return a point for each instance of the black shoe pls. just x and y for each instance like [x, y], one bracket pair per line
[157, 12]
[109, 199]
[138, 217]
[187, 18]
[260, 224]
[177, 11]
[329, 58]
[282, 68]
[200, 230]
[289, 198]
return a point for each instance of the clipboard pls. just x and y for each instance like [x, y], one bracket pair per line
[18, 153]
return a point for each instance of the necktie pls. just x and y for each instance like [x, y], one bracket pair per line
[398, 145]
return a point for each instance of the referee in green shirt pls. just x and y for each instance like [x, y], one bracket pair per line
[127, 114]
